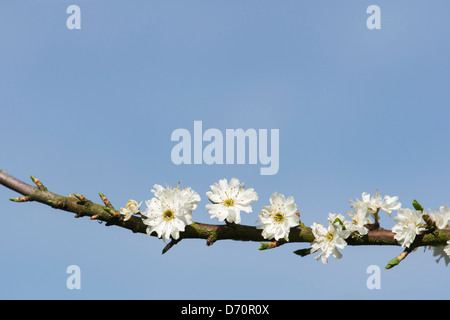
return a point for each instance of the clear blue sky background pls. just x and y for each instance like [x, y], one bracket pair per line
[92, 110]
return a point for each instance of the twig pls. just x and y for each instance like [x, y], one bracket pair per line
[20, 199]
[303, 252]
[392, 263]
[109, 207]
[38, 183]
[170, 245]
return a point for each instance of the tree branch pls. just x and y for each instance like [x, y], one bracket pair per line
[83, 207]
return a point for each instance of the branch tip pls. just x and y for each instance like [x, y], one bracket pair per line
[267, 245]
[273, 244]
[105, 200]
[20, 199]
[303, 252]
[80, 197]
[170, 245]
[392, 263]
[38, 183]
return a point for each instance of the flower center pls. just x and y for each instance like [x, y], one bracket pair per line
[168, 215]
[129, 204]
[229, 202]
[278, 217]
[329, 236]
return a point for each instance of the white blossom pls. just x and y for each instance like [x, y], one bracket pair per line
[330, 239]
[278, 217]
[359, 218]
[410, 223]
[376, 202]
[130, 209]
[442, 217]
[447, 250]
[229, 199]
[170, 211]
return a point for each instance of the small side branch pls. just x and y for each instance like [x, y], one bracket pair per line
[20, 199]
[170, 245]
[38, 183]
[394, 262]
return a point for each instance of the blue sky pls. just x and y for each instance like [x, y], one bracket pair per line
[92, 110]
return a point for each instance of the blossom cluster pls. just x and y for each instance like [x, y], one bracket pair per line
[170, 211]
[410, 223]
[330, 239]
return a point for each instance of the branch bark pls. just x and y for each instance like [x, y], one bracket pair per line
[83, 207]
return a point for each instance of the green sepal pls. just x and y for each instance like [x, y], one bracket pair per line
[417, 206]
[392, 263]
[340, 222]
